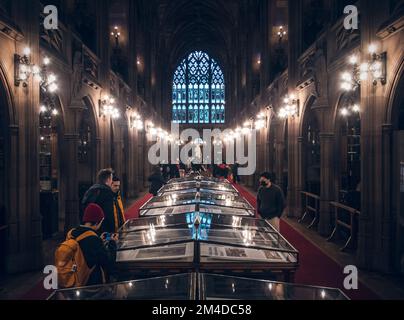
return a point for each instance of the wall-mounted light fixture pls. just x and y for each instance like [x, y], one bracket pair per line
[116, 34]
[107, 107]
[290, 107]
[24, 69]
[347, 111]
[377, 65]
[281, 33]
[262, 119]
[48, 110]
[136, 121]
[374, 68]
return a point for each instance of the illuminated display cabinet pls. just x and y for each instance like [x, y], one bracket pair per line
[199, 286]
[167, 244]
[197, 198]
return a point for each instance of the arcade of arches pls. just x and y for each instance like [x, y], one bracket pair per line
[204, 64]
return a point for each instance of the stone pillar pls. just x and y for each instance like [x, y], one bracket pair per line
[25, 233]
[294, 168]
[132, 164]
[387, 235]
[327, 181]
[279, 160]
[132, 53]
[265, 51]
[71, 141]
[372, 251]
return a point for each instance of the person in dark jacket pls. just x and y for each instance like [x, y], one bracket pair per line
[102, 194]
[94, 247]
[165, 169]
[270, 200]
[234, 171]
[157, 181]
[174, 171]
[119, 213]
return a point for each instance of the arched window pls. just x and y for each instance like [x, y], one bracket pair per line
[198, 91]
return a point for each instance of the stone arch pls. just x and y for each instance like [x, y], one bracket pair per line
[395, 87]
[310, 158]
[88, 158]
[58, 161]
[7, 158]
[393, 164]
[347, 150]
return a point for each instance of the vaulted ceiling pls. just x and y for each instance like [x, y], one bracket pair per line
[188, 25]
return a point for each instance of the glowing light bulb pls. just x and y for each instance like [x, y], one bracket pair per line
[42, 109]
[53, 87]
[364, 67]
[355, 108]
[372, 48]
[35, 69]
[344, 112]
[46, 61]
[27, 51]
[55, 112]
[363, 76]
[353, 59]
[346, 76]
[51, 78]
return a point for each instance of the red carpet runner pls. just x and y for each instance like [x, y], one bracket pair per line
[133, 211]
[315, 268]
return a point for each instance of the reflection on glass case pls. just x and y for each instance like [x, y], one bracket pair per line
[198, 178]
[199, 286]
[205, 241]
[217, 199]
[219, 287]
[200, 185]
[176, 287]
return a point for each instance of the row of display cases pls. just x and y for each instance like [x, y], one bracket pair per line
[197, 194]
[199, 240]
[196, 241]
[201, 224]
[199, 286]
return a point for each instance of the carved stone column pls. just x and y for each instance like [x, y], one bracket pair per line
[71, 142]
[327, 181]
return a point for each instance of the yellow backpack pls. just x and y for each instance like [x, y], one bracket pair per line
[72, 267]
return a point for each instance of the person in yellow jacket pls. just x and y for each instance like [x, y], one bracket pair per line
[119, 214]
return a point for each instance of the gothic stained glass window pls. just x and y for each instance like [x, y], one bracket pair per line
[198, 91]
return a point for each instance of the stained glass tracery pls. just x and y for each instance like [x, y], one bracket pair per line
[198, 91]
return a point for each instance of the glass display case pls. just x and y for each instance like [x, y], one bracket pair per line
[176, 287]
[199, 286]
[198, 178]
[221, 287]
[205, 208]
[217, 199]
[205, 242]
[199, 185]
[189, 208]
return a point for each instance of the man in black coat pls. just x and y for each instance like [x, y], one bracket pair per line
[102, 194]
[157, 181]
[270, 200]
